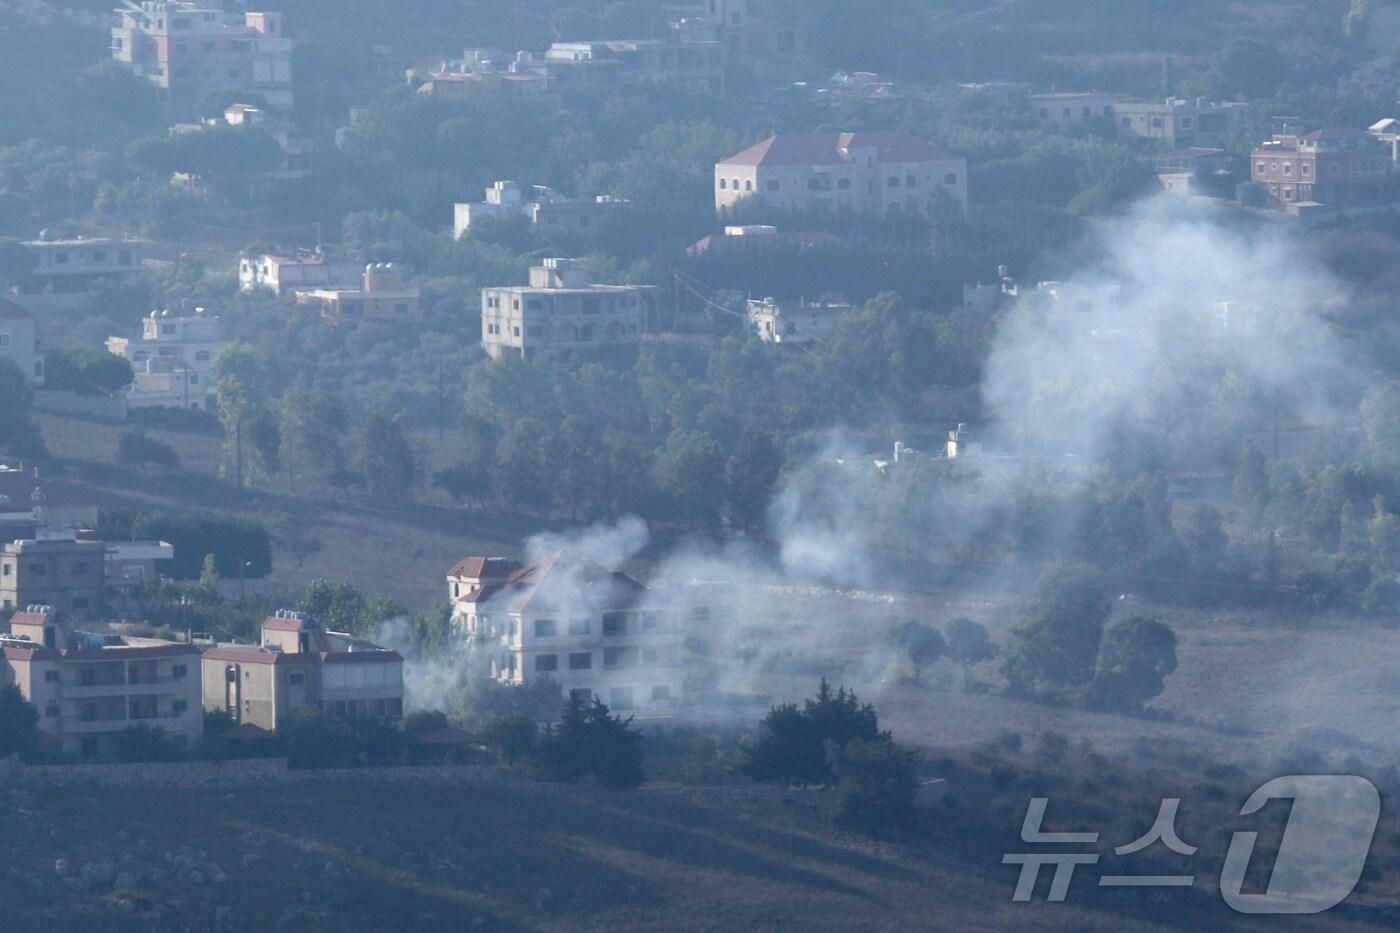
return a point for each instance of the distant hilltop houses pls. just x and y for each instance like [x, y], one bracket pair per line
[188, 49]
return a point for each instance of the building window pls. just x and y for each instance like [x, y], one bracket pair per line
[179, 671]
[614, 623]
[950, 179]
[583, 694]
[38, 569]
[580, 626]
[910, 181]
[1262, 167]
[581, 661]
[51, 711]
[179, 707]
[1288, 168]
[51, 677]
[621, 697]
[843, 184]
[723, 184]
[748, 184]
[546, 628]
[660, 693]
[296, 679]
[893, 182]
[773, 185]
[545, 663]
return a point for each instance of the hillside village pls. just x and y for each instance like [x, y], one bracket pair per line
[490, 401]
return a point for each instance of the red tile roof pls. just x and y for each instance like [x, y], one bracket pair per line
[827, 149]
[29, 618]
[482, 568]
[9, 311]
[560, 581]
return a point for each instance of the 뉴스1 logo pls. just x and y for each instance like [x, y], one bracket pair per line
[1319, 861]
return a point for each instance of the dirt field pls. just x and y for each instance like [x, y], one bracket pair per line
[349, 857]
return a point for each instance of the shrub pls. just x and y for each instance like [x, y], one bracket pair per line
[589, 743]
[793, 745]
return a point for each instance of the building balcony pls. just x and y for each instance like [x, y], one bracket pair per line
[121, 689]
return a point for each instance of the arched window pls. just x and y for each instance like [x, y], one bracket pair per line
[723, 184]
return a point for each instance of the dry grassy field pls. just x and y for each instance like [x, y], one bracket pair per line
[350, 857]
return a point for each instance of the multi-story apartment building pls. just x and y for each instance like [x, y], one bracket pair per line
[173, 360]
[1175, 123]
[547, 209]
[591, 630]
[19, 341]
[794, 322]
[1331, 168]
[862, 173]
[68, 574]
[68, 266]
[187, 49]
[381, 296]
[560, 310]
[282, 274]
[90, 688]
[300, 665]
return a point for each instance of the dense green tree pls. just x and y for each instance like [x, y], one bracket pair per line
[1055, 646]
[385, 457]
[514, 735]
[752, 475]
[19, 431]
[19, 722]
[921, 643]
[87, 371]
[312, 429]
[876, 782]
[1135, 657]
[793, 745]
[968, 645]
[589, 743]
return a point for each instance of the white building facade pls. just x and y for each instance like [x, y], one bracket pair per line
[560, 310]
[861, 173]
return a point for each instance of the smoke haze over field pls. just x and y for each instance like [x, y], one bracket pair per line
[1137, 362]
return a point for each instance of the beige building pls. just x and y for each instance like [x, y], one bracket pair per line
[1175, 123]
[591, 630]
[19, 341]
[1066, 110]
[187, 49]
[173, 360]
[67, 574]
[381, 296]
[300, 665]
[794, 322]
[90, 688]
[861, 173]
[282, 274]
[67, 266]
[560, 310]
